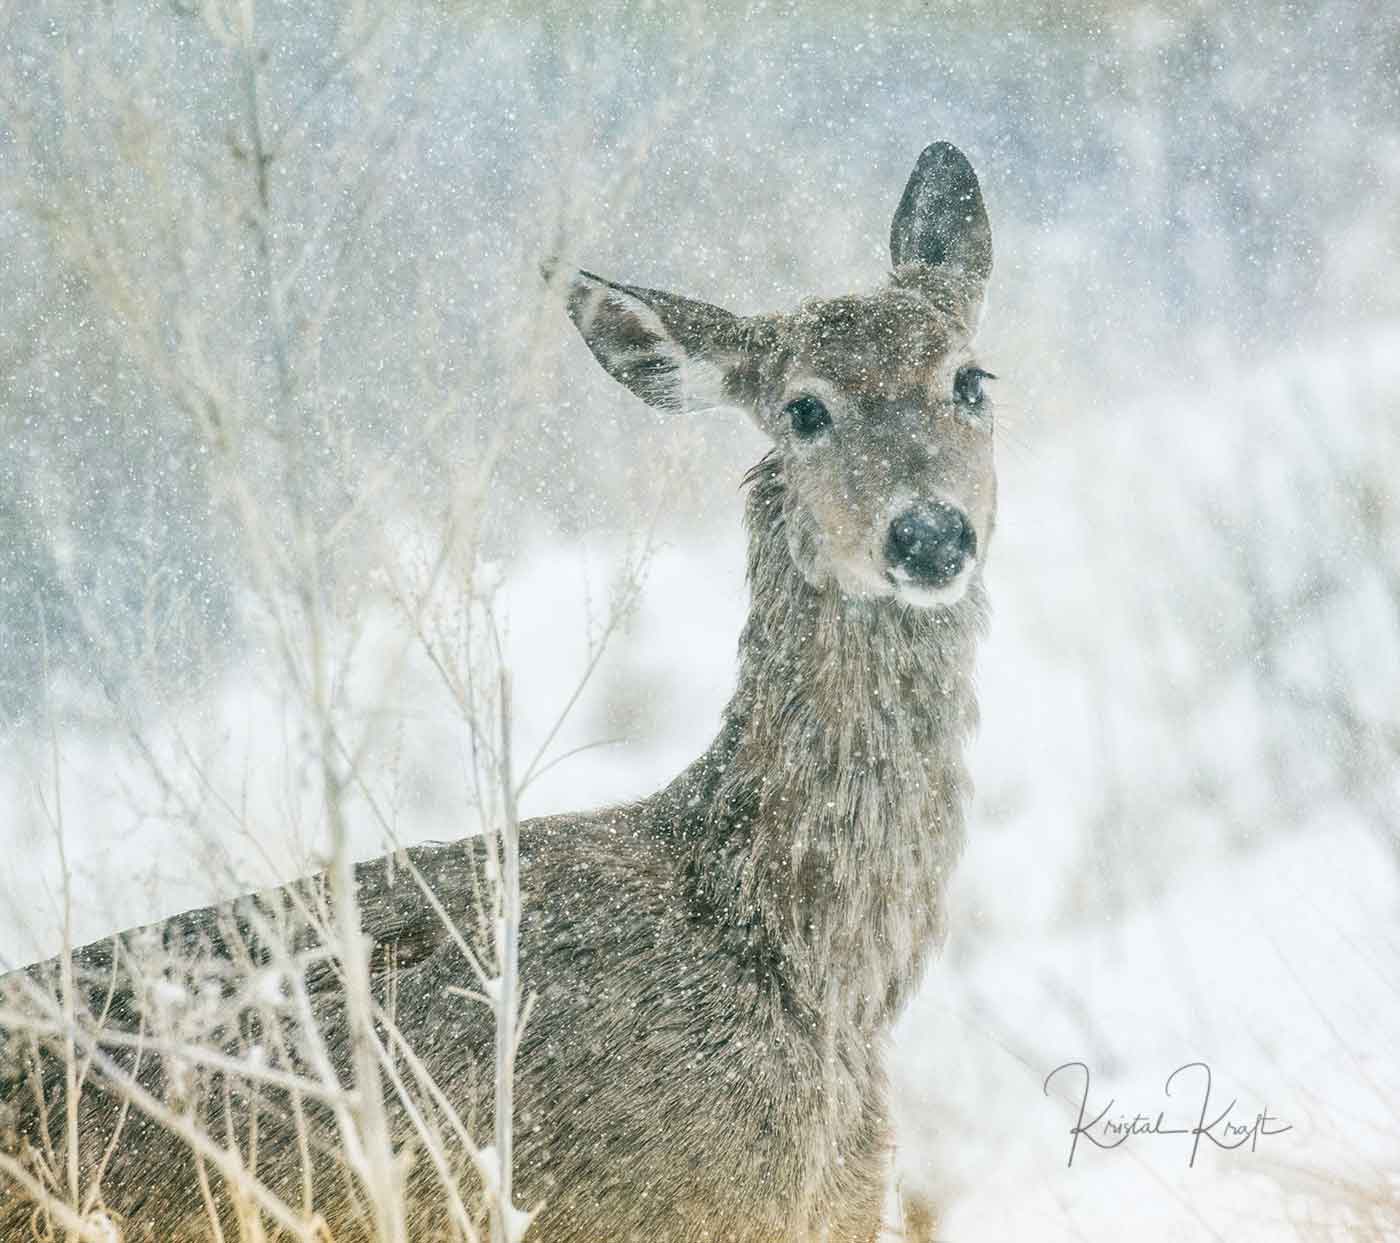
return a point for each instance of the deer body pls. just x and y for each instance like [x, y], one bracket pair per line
[717, 966]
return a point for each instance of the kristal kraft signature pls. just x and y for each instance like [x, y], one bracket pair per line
[1221, 1129]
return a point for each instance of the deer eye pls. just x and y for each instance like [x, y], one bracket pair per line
[967, 386]
[809, 417]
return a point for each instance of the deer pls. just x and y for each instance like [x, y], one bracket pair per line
[717, 966]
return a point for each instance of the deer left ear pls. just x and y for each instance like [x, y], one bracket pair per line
[940, 234]
[672, 352]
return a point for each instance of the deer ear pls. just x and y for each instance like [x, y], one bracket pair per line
[940, 227]
[672, 352]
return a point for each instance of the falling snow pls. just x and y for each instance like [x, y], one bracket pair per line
[247, 347]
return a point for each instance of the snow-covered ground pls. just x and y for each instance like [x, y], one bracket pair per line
[1275, 970]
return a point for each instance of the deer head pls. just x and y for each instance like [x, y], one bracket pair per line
[875, 403]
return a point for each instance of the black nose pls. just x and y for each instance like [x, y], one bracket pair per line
[930, 542]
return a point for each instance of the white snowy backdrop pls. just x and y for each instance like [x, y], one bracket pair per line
[1185, 842]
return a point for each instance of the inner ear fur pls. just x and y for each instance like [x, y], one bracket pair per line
[674, 353]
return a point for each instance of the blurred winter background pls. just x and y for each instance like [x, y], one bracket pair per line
[271, 314]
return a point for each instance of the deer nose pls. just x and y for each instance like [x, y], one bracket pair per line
[930, 542]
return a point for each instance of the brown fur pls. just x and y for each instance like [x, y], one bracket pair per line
[717, 966]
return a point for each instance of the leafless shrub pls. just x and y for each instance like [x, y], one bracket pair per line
[215, 255]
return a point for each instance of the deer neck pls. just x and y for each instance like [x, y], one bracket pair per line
[826, 817]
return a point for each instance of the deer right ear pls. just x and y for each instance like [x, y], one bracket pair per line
[672, 352]
[940, 227]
